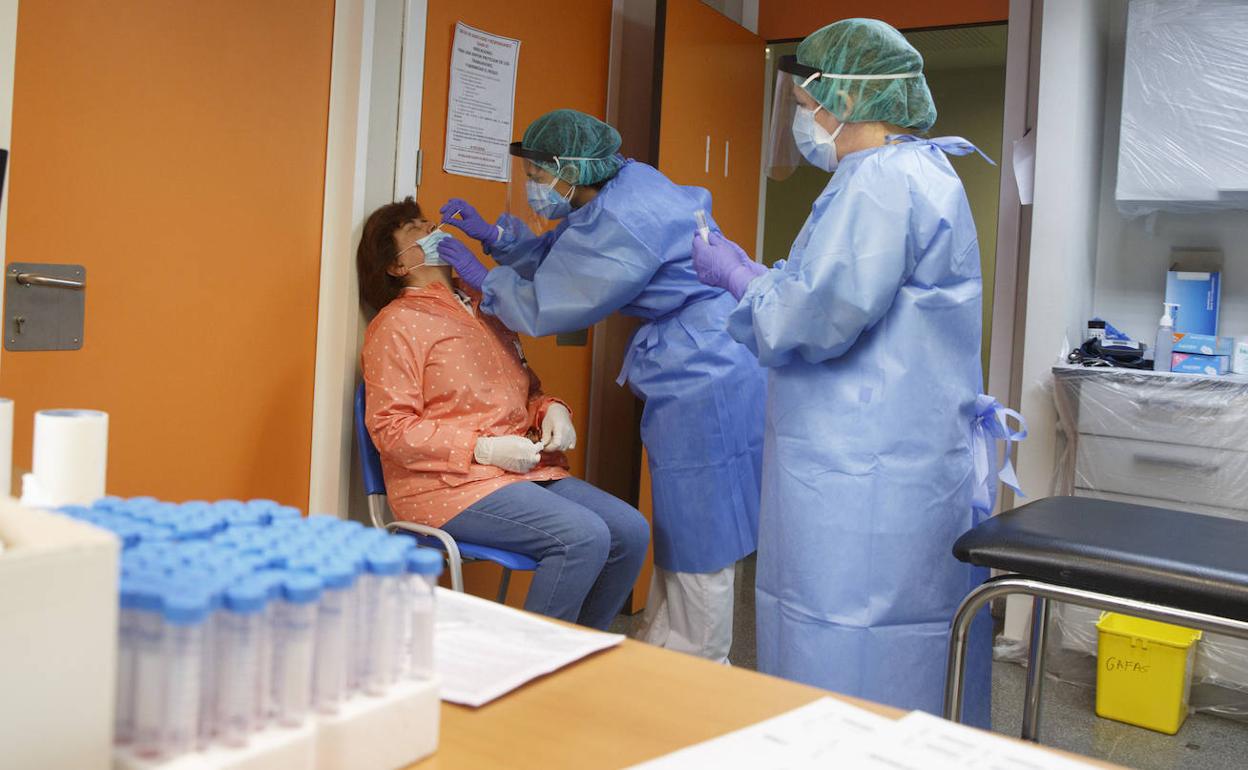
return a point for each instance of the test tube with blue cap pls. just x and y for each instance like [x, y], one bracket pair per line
[333, 655]
[294, 641]
[424, 565]
[245, 604]
[383, 596]
[272, 580]
[184, 609]
[148, 639]
[132, 605]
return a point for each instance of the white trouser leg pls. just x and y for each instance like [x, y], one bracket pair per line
[691, 612]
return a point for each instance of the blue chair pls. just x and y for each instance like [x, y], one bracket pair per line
[431, 537]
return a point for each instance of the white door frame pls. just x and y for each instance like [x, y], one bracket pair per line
[8, 57]
[339, 322]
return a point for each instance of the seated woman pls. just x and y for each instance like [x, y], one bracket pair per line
[469, 442]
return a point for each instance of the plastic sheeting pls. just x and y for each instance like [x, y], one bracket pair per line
[1184, 107]
[1160, 439]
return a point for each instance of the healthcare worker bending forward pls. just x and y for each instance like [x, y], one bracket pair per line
[871, 332]
[622, 243]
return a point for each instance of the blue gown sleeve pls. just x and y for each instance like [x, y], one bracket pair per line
[589, 271]
[840, 280]
[518, 248]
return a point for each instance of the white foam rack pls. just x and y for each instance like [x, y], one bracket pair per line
[368, 733]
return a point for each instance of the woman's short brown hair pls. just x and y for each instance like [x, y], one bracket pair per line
[377, 252]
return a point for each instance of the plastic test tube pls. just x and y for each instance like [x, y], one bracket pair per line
[383, 595]
[240, 660]
[185, 610]
[357, 632]
[149, 672]
[424, 565]
[210, 676]
[704, 229]
[294, 644]
[127, 630]
[329, 687]
[272, 581]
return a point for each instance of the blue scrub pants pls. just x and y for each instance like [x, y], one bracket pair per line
[588, 545]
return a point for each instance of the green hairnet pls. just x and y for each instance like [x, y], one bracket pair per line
[868, 47]
[572, 134]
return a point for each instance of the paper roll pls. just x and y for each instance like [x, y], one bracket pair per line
[70, 456]
[6, 446]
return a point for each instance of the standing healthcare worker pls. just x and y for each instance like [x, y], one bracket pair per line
[622, 243]
[877, 438]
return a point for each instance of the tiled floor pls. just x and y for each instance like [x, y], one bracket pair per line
[1067, 718]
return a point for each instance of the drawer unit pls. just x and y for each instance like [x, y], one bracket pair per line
[1170, 472]
[1168, 441]
[1196, 412]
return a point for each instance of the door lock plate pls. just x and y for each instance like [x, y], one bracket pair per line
[44, 306]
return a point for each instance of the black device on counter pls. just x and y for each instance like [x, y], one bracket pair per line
[1094, 353]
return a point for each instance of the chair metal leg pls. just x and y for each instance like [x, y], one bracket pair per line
[502, 586]
[1006, 585]
[453, 559]
[1035, 670]
[959, 633]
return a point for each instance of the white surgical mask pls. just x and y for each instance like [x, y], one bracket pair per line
[814, 142]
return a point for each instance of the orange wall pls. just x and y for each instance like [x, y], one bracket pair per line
[177, 149]
[789, 19]
[563, 63]
[564, 49]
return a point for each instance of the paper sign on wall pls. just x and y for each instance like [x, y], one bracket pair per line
[481, 104]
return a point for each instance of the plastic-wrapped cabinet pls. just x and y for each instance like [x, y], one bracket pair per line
[1183, 144]
[1166, 440]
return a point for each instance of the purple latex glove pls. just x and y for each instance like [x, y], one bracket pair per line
[469, 221]
[723, 264]
[457, 255]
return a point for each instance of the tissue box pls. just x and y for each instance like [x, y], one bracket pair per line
[1198, 295]
[58, 640]
[1203, 344]
[1194, 363]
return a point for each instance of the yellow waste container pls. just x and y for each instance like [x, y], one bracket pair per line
[1144, 671]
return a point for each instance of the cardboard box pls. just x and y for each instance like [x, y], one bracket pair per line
[1203, 344]
[1193, 363]
[1198, 295]
[58, 640]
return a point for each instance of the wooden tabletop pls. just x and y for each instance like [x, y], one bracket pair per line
[617, 708]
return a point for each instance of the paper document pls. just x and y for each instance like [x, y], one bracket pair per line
[920, 741]
[815, 735]
[830, 733]
[483, 649]
[481, 104]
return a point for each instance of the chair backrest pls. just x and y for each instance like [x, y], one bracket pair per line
[370, 460]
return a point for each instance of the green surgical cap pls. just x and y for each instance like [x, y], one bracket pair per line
[572, 134]
[868, 47]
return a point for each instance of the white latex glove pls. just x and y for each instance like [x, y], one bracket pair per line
[511, 453]
[558, 432]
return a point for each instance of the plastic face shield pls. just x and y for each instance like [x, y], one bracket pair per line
[534, 175]
[788, 95]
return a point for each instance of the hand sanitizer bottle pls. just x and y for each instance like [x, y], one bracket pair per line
[1165, 340]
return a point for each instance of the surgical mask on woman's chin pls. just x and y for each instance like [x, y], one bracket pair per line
[814, 142]
[546, 201]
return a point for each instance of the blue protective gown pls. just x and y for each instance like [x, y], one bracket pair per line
[629, 250]
[871, 332]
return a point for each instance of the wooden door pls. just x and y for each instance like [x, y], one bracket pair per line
[177, 151]
[710, 132]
